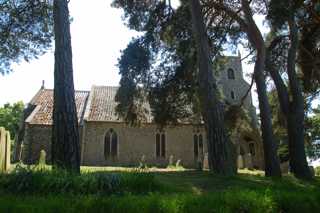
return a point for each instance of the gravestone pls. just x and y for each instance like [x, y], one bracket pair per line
[5, 145]
[2, 149]
[7, 151]
[240, 163]
[205, 161]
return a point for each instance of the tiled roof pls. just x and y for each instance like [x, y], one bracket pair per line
[43, 102]
[102, 104]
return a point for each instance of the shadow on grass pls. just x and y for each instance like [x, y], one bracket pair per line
[205, 181]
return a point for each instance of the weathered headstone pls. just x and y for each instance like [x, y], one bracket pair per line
[5, 146]
[171, 162]
[7, 151]
[205, 161]
[2, 149]
[42, 158]
[240, 163]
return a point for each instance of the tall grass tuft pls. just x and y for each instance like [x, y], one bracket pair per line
[42, 182]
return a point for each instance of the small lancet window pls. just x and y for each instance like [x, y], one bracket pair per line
[160, 145]
[231, 74]
[232, 95]
[197, 145]
[111, 144]
[252, 149]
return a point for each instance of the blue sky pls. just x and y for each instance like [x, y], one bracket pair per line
[98, 34]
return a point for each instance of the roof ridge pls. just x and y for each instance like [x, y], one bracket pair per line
[74, 90]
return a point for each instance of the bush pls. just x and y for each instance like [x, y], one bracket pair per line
[27, 181]
[317, 171]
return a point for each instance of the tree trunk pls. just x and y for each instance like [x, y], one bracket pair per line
[221, 155]
[272, 165]
[295, 118]
[294, 112]
[65, 132]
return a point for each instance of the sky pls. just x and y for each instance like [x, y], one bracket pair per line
[98, 34]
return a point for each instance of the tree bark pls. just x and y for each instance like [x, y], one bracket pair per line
[65, 131]
[272, 165]
[221, 155]
[293, 111]
[295, 118]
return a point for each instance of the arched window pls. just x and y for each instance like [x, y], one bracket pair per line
[252, 149]
[231, 74]
[160, 145]
[197, 145]
[232, 95]
[111, 145]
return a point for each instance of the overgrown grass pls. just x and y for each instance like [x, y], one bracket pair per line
[143, 191]
[231, 200]
[27, 181]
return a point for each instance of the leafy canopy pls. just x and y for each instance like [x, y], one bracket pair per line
[25, 31]
[10, 115]
[160, 66]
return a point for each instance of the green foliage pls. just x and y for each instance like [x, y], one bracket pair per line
[317, 171]
[43, 182]
[279, 124]
[307, 16]
[229, 200]
[313, 134]
[166, 73]
[187, 191]
[10, 116]
[25, 31]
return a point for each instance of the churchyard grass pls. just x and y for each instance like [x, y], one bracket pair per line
[107, 189]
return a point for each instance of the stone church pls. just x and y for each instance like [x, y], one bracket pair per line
[106, 140]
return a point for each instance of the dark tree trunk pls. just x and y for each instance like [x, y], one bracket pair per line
[294, 109]
[272, 165]
[221, 155]
[295, 118]
[65, 132]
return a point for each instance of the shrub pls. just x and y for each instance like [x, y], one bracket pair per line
[40, 181]
[317, 171]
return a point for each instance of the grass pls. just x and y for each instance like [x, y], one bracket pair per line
[156, 191]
